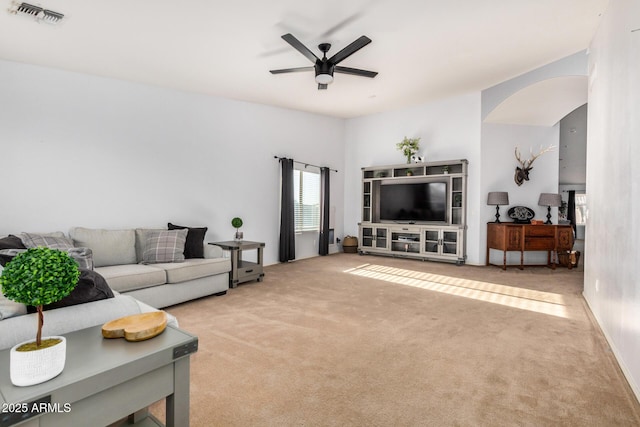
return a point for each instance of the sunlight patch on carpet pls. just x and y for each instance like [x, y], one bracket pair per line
[520, 298]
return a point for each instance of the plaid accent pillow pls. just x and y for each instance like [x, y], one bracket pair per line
[32, 240]
[83, 256]
[164, 246]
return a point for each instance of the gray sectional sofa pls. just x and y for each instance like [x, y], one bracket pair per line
[143, 277]
[118, 256]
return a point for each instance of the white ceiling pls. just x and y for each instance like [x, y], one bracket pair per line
[422, 49]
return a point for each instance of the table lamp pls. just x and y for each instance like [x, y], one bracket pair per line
[548, 200]
[498, 198]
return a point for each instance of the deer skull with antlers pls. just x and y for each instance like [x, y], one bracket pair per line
[522, 171]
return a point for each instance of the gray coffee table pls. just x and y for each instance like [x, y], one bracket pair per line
[106, 382]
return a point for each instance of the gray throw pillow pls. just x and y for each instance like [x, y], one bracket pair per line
[164, 246]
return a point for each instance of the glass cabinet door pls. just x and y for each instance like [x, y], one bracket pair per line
[367, 237]
[381, 238]
[431, 241]
[375, 237]
[449, 242]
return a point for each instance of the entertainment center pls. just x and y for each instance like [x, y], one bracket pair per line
[415, 210]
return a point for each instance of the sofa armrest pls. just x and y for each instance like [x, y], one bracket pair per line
[171, 319]
[66, 319]
[213, 251]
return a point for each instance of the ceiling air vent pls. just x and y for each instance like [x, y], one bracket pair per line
[36, 12]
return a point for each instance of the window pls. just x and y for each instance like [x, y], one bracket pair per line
[306, 189]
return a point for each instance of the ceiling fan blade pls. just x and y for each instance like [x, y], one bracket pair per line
[355, 71]
[348, 20]
[297, 45]
[350, 50]
[322, 86]
[291, 70]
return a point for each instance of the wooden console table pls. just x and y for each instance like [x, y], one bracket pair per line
[510, 236]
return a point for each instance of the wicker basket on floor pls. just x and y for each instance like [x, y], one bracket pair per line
[350, 244]
[573, 257]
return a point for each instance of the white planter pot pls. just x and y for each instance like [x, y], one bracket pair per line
[35, 367]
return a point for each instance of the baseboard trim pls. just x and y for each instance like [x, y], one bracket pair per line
[614, 350]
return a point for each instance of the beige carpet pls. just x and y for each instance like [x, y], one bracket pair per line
[349, 340]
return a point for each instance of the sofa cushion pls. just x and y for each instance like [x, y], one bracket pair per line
[164, 246]
[195, 269]
[10, 308]
[110, 247]
[127, 277]
[194, 247]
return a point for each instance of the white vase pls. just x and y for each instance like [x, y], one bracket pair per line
[37, 366]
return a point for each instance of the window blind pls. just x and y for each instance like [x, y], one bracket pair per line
[306, 188]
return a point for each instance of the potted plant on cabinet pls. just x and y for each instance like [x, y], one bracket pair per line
[409, 147]
[38, 277]
[237, 223]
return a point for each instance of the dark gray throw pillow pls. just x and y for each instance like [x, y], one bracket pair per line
[11, 242]
[194, 247]
[91, 287]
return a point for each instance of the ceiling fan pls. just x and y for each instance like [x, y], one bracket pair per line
[324, 68]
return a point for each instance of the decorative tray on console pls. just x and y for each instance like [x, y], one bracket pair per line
[521, 214]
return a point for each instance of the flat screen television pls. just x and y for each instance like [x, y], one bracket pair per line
[413, 202]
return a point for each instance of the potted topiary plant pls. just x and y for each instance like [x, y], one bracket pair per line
[409, 147]
[237, 223]
[38, 277]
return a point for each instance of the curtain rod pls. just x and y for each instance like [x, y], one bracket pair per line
[303, 163]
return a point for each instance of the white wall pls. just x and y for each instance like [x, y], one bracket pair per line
[498, 168]
[449, 129]
[78, 150]
[573, 147]
[612, 241]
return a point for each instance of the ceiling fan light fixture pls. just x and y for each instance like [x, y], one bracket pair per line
[325, 67]
[324, 79]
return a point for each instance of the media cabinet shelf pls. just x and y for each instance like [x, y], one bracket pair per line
[438, 240]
